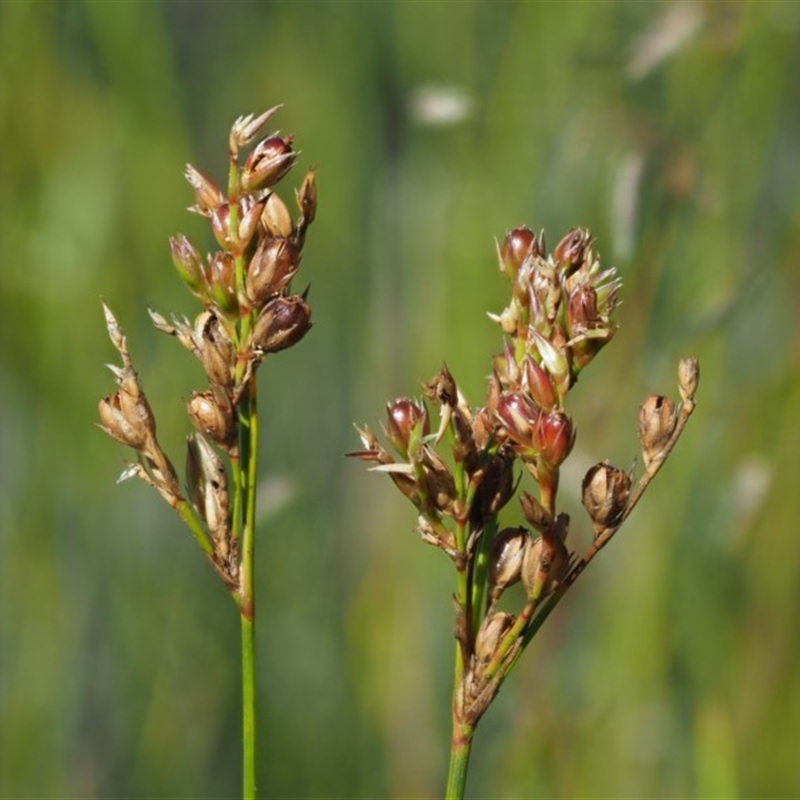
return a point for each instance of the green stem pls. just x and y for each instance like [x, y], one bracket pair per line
[460, 749]
[249, 433]
[481, 569]
[248, 706]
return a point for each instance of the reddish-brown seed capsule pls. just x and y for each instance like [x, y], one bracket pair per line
[539, 384]
[570, 252]
[517, 246]
[553, 437]
[518, 414]
[270, 160]
[582, 314]
[273, 265]
[283, 322]
[406, 419]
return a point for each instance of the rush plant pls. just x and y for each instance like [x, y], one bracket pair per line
[249, 311]
[462, 468]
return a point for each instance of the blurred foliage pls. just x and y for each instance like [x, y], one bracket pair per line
[671, 130]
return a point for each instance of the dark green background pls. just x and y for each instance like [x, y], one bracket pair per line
[673, 668]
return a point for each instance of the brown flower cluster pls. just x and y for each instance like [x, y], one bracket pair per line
[249, 311]
[460, 476]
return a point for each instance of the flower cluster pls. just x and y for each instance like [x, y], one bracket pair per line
[461, 475]
[249, 311]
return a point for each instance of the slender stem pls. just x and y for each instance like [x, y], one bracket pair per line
[460, 749]
[604, 537]
[249, 432]
[248, 707]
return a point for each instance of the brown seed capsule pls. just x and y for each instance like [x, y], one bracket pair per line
[208, 484]
[688, 378]
[439, 482]
[582, 314]
[250, 215]
[605, 494]
[518, 414]
[212, 414]
[307, 197]
[273, 265]
[442, 388]
[208, 195]
[505, 561]
[495, 490]
[539, 384]
[221, 225]
[518, 245]
[572, 250]
[247, 127]
[269, 161]
[276, 218]
[221, 279]
[657, 418]
[215, 349]
[189, 264]
[545, 560]
[490, 634]
[283, 322]
[131, 431]
[554, 361]
[535, 513]
[531, 564]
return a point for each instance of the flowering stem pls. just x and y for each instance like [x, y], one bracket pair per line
[460, 749]
[248, 707]
[249, 421]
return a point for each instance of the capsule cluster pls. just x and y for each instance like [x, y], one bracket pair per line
[557, 320]
[460, 476]
[249, 311]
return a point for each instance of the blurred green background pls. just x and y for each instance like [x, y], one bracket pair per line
[672, 130]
